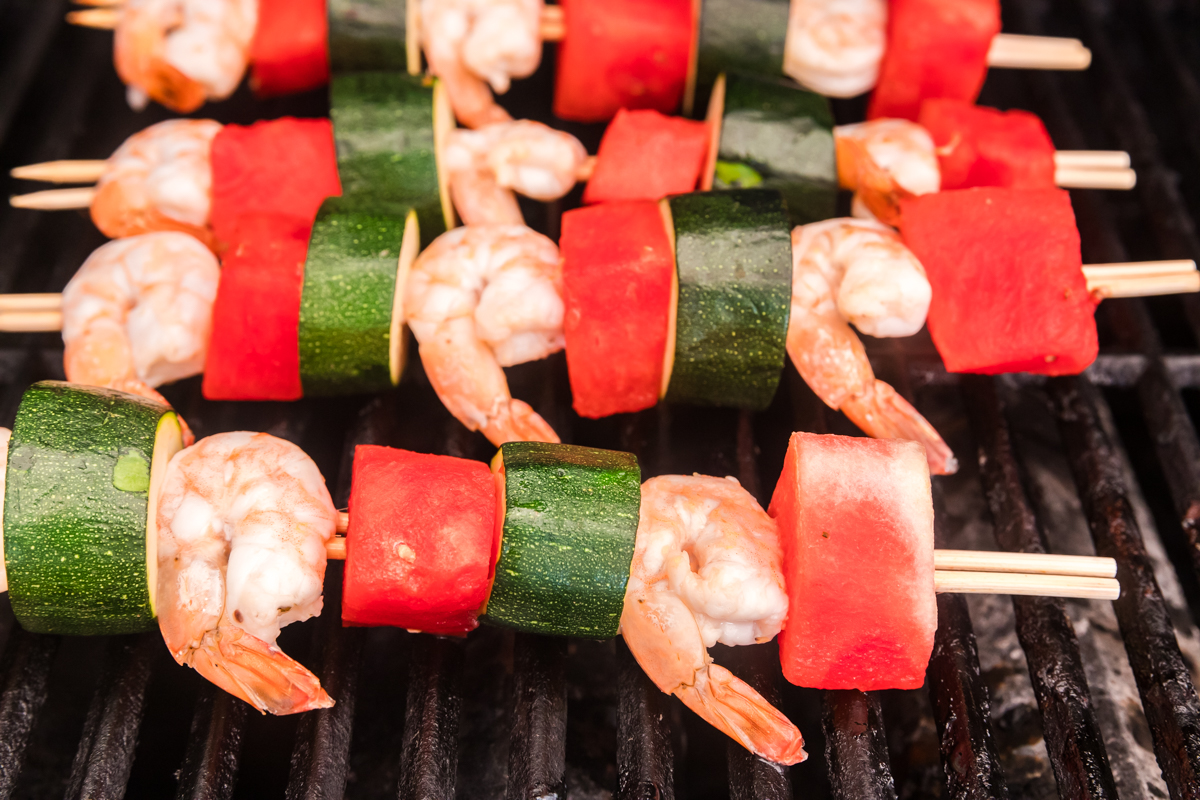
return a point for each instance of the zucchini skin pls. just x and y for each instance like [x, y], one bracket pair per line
[782, 137]
[387, 161]
[75, 543]
[346, 302]
[367, 35]
[570, 522]
[733, 257]
[743, 35]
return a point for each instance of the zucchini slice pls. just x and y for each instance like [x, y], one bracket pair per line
[743, 35]
[569, 524]
[80, 544]
[383, 126]
[733, 260]
[373, 35]
[351, 334]
[775, 135]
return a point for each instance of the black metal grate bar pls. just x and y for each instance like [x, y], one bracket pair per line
[429, 762]
[856, 747]
[214, 750]
[645, 760]
[1073, 737]
[537, 753]
[105, 754]
[24, 693]
[1168, 696]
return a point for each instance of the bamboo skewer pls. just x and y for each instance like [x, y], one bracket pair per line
[77, 171]
[1092, 159]
[1033, 563]
[947, 582]
[1142, 279]
[104, 19]
[55, 199]
[1076, 178]
[1014, 51]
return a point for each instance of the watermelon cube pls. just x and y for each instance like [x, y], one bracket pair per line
[1009, 293]
[935, 48]
[420, 546]
[618, 267]
[290, 51]
[645, 155]
[981, 146]
[855, 520]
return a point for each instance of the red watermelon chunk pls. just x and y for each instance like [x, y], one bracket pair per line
[935, 48]
[290, 51]
[981, 146]
[254, 351]
[622, 54]
[618, 266]
[856, 523]
[645, 155]
[419, 548]
[281, 167]
[1009, 293]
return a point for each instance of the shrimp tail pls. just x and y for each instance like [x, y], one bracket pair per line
[884, 414]
[259, 673]
[874, 186]
[735, 708]
[516, 421]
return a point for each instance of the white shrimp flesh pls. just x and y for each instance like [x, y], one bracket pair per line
[835, 47]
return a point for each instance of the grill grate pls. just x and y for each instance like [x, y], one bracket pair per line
[527, 717]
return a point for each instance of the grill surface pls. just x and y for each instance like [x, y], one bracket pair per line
[1026, 698]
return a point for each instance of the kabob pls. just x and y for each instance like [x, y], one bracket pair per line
[622, 54]
[112, 526]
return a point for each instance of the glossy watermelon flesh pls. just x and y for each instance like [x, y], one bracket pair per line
[254, 350]
[645, 155]
[622, 54]
[290, 51]
[1008, 288]
[980, 146]
[855, 519]
[283, 167]
[420, 544]
[935, 48]
[617, 283]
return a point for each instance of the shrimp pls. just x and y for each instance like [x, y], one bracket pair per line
[884, 161]
[835, 47]
[477, 299]
[487, 165]
[858, 270]
[159, 179]
[243, 519]
[473, 43]
[183, 52]
[138, 313]
[706, 569]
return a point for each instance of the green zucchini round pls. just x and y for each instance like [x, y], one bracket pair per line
[776, 135]
[80, 546]
[386, 127]
[569, 525]
[733, 262]
[373, 35]
[351, 306]
[742, 35]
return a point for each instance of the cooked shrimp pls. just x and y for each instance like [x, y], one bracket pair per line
[884, 160]
[473, 43]
[487, 165]
[5, 435]
[243, 519]
[477, 299]
[858, 270]
[835, 47]
[138, 313]
[707, 569]
[182, 52]
[159, 179]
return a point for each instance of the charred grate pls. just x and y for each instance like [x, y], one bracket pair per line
[1080, 699]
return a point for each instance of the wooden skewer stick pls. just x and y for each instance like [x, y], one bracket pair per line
[1134, 269]
[585, 172]
[946, 582]
[78, 171]
[100, 3]
[1076, 178]
[1033, 563]
[1014, 51]
[104, 19]
[552, 27]
[1092, 159]
[31, 321]
[17, 303]
[55, 199]
[1146, 286]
